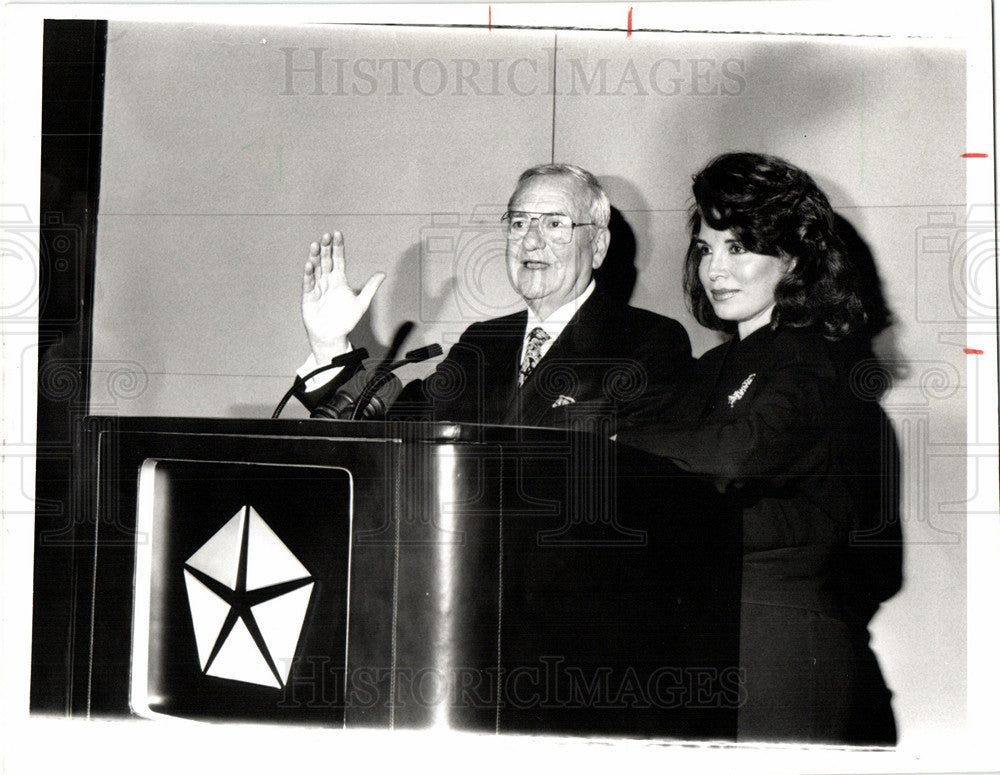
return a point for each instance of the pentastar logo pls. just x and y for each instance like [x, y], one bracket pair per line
[248, 595]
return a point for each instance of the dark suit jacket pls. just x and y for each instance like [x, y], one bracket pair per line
[611, 361]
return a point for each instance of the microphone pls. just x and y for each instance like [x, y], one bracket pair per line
[349, 361]
[344, 403]
[420, 354]
[383, 376]
[385, 385]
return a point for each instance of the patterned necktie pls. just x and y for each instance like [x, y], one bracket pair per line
[532, 353]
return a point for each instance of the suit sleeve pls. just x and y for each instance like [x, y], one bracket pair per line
[769, 442]
[664, 353]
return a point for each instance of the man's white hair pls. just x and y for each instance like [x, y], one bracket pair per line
[600, 206]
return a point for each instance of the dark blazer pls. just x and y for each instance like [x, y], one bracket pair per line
[762, 419]
[611, 361]
[773, 422]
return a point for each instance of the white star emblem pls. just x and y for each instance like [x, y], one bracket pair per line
[248, 595]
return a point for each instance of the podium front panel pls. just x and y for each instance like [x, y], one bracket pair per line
[415, 576]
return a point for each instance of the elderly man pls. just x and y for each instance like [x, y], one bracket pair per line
[575, 351]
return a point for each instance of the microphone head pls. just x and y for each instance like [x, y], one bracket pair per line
[353, 356]
[424, 353]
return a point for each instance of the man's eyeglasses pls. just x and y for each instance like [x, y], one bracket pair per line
[555, 228]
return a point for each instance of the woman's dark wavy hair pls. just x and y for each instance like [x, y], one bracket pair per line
[774, 208]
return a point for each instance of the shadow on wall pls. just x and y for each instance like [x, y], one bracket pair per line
[873, 572]
[617, 275]
[406, 278]
[880, 332]
[407, 288]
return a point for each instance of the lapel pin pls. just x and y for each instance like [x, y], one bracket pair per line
[738, 393]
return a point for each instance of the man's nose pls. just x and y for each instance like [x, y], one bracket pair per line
[533, 238]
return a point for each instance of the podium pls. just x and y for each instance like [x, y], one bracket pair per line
[401, 576]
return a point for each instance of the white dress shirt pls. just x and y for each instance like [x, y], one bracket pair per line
[555, 323]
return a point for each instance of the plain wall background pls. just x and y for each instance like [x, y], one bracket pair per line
[220, 165]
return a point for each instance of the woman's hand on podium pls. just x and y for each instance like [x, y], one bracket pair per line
[330, 307]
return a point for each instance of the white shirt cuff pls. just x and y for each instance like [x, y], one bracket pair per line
[320, 379]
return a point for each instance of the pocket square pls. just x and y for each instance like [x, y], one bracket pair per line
[563, 401]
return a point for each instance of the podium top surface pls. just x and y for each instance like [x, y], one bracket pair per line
[436, 432]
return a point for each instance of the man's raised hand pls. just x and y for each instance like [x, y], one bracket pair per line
[330, 307]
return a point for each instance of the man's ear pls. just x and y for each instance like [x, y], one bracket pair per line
[599, 246]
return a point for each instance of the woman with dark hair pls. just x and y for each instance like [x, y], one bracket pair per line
[771, 418]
